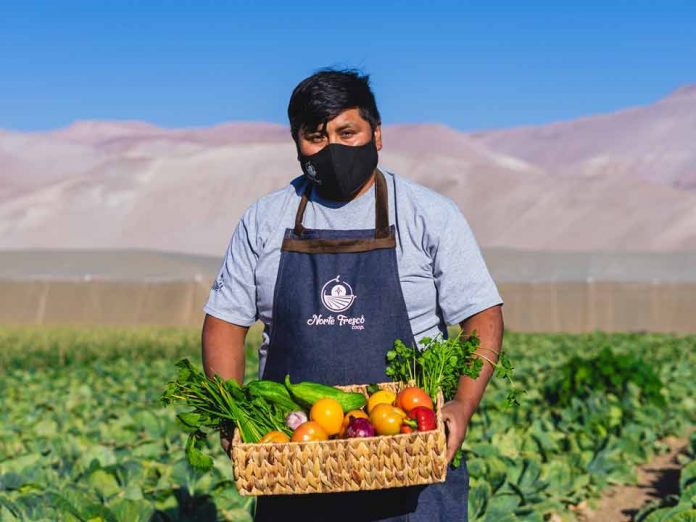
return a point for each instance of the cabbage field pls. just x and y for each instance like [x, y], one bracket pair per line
[83, 436]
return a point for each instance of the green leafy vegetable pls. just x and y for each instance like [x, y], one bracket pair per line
[606, 372]
[108, 381]
[440, 362]
[216, 404]
[194, 455]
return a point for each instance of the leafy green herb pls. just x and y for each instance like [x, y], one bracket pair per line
[457, 460]
[217, 403]
[440, 362]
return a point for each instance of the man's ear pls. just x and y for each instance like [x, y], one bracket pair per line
[378, 137]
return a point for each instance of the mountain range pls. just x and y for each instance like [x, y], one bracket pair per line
[623, 181]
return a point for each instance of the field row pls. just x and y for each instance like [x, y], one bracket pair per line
[82, 435]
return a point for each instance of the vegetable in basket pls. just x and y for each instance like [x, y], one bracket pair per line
[422, 419]
[295, 418]
[380, 397]
[309, 431]
[413, 397]
[273, 392]
[353, 414]
[328, 414]
[218, 404]
[359, 427]
[310, 392]
[274, 436]
[440, 363]
[387, 419]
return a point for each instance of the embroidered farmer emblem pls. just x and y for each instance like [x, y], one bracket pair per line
[337, 296]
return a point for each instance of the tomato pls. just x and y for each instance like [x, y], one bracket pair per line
[328, 414]
[358, 414]
[308, 431]
[413, 397]
[380, 397]
[274, 436]
[387, 419]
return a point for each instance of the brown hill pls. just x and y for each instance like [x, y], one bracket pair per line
[622, 181]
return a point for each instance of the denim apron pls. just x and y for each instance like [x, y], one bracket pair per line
[337, 309]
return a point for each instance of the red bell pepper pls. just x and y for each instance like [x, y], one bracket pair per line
[422, 418]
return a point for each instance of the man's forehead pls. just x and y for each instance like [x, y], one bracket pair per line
[345, 117]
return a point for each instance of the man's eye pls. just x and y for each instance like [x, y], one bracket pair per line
[317, 138]
[347, 134]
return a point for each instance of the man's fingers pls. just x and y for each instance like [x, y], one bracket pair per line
[226, 443]
[451, 437]
[455, 429]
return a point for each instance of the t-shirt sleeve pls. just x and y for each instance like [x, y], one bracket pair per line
[233, 294]
[464, 285]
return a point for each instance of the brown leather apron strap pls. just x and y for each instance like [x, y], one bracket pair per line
[384, 237]
[337, 246]
[299, 227]
[381, 207]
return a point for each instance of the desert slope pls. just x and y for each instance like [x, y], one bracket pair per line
[624, 181]
[653, 143]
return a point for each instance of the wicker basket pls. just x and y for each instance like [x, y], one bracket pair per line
[342, 464]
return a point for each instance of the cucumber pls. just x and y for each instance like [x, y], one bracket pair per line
[310, 392]
[273, 392]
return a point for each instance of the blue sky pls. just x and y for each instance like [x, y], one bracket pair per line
[469, 65]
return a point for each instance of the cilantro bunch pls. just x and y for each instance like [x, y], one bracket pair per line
[440, 362]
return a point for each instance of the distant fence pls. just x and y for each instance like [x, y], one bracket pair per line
[529, 307]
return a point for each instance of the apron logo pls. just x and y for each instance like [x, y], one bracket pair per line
[337, 296]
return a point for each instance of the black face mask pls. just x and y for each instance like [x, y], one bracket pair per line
[338, 171]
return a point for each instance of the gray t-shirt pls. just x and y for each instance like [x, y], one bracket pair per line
[443, 276]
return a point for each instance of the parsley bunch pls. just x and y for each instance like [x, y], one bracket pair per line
[440, 362]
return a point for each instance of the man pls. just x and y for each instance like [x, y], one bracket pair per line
[337, 265]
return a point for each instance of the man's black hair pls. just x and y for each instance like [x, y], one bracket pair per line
[328, 92]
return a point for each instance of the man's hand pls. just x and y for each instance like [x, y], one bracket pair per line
[457, 412]
[455, 415]
[226, 441]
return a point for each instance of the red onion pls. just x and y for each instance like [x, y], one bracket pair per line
[359, 427]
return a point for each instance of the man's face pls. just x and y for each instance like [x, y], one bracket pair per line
[348, 128]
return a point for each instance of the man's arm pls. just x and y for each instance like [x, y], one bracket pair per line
[457, 412]
[223, 354]
[223, 348]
